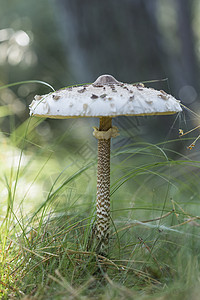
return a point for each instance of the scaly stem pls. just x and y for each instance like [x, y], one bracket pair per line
[103, 188]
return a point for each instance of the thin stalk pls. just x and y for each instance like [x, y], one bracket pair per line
[103, 188]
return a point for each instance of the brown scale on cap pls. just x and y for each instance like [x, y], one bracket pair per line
[103, 95]
[82, 90]
[56, 97]
[163, 95]
[140, 86]
[98, 86]
[94, 96]
[112, 87]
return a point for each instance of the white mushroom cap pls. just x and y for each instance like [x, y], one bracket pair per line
[106, 97]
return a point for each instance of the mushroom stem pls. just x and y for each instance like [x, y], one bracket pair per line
[103, 187]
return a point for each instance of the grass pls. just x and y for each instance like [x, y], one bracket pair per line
[48, 207]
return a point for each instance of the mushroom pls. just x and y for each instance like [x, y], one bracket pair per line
[105, 98]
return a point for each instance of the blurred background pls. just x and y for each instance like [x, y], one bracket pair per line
[67, 42]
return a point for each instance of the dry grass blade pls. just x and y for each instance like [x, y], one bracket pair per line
[145, 221]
